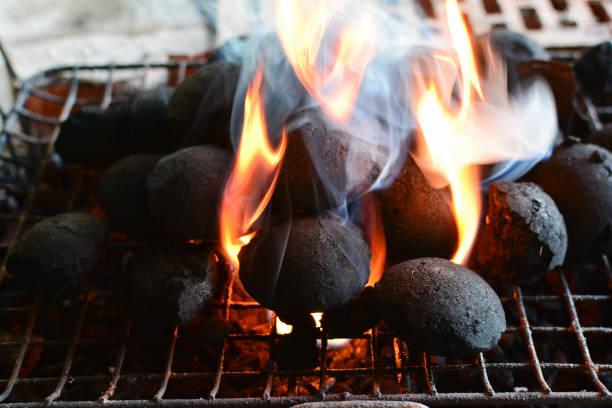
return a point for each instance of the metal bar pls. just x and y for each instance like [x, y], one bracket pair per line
[27, 138]
[182, 71]
[228, 300]
[22, 352]
[323, 365]
[108, 89]
[70, 355]
[561, 329]
[110, 391]
[529, 339]
[100, 378]
[582, 344]
[374, 362]
[429, 377]
[49, 120]
[484, 376]
[552, 298]
[446, 399]
[605, 263]
[168, 369]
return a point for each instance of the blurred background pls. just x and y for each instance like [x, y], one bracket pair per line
[39, 34]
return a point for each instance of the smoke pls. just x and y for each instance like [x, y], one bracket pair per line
[508, 133]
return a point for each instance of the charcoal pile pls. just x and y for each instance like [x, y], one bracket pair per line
[161, 167]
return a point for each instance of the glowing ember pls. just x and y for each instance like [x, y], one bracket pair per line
[301, 28]
[251, 184]
[282, 327]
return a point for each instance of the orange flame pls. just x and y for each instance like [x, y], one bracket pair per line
[301, 31]
[253, 179]
[375, 232]
[444, 133]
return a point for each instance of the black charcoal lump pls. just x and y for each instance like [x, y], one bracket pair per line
[146, 121]
[123, 196]
[93, 137]
[524, 235]
[324, 264]
[601, 137]
[440, 307]
[185, 190]
[54, 257]
[515, 47]
[594, 71]
[200, 109]
[324, 168]
[353, 318]
[418, 219]
[170, 284]
[578, 177]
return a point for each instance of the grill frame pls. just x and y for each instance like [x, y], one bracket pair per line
[29, 177]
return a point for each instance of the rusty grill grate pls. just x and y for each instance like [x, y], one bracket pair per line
[389, 371]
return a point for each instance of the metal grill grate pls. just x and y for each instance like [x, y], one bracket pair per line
[551, 23]
[389, 369]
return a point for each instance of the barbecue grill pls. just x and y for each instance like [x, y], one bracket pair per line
[95, 324]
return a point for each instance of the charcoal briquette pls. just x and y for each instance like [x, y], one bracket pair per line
[123, 196]
[354, 318]
[515, 47]
[324, 263]
[578, 177]
[418, 219]
[200, 109]
[185, 190]
[55, 256]
[602, 138]
[440, 307]
[594, 71]
[147, 124]
[524, 235]
[170, 284]
[93, 137]
[314, 174]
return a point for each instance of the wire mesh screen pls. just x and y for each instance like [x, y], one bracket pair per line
[86, 352]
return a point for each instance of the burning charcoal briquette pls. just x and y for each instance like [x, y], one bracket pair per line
[319, 172]
[123, 196]
[325, 264]
[440, 307]
[594, 71]
[55, 256]
[578, 178]
[353, 318]
[93, 137]
[524, 235]
[170, 284]
[200, 110]
[185, 190]
[418, 219]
